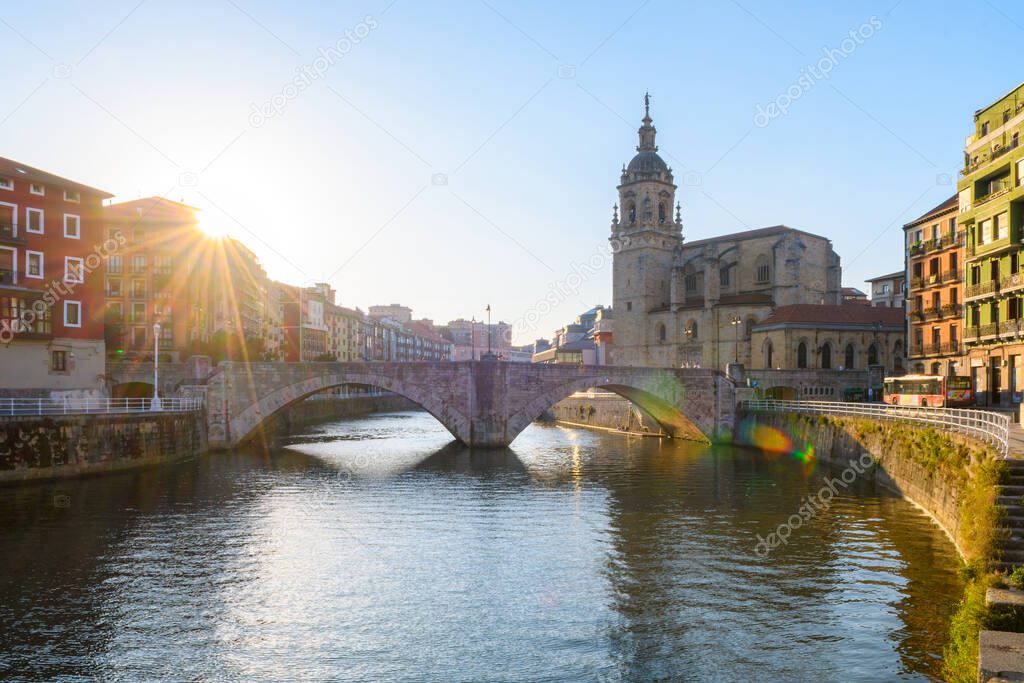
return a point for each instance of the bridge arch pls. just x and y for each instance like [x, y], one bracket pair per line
[669, 417]
[249, 422]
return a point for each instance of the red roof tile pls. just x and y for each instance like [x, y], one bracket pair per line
[828, 314]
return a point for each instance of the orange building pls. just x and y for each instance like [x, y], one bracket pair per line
[935, 264]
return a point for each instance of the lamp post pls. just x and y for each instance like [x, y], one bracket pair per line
[488, 331]
[735, 322]
[155, 404]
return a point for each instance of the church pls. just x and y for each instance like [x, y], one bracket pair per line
[695, 304]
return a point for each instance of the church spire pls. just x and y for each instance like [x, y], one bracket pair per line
[647, 131]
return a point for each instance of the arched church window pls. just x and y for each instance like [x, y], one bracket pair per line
[848, 361]
[826, 356]
[801, 356]
[872, 355]
[632, 212]
[661, 212]
[768, 354]
[648, 212]
[762, 270]
[661, 332]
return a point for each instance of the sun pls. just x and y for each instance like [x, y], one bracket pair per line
[212, 229]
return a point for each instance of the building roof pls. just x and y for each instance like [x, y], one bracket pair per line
[752, 234]
[852, 291]
[826, 314]
[948, 205]
[15, 169]
[999, 99]
[151, 210]
[891, 276]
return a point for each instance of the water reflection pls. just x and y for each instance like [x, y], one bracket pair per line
[375, 549]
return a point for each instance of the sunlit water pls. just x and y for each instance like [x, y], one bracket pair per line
[367, 550]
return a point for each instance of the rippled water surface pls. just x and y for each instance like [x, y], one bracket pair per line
[373, 550]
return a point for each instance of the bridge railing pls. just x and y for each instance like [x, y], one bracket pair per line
[94, 406]
[983, 425]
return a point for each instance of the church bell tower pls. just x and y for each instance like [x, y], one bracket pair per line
[645, 237]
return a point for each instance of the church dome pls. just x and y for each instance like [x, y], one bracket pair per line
[647, 161]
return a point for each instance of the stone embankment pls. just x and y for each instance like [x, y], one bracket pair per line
[51, 447]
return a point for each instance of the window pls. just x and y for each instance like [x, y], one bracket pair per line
[72, 314]
[115, 265]
[34, 220]
[114, 287]
[1001, 226]
[114, 312]
[72, 196]
[873, 354]
[826, 356]
[984, 129]
[34, 264]
[768, 354]
[801, 356]
[985, 231]
[763, 271]
[74, 269]
[37, 188]
[138, 263]
[138, 313]
[661, 332]
[58, 361]
[629, 305]
[848, 359]
[723, 276]
[72, 227]
[6, 184]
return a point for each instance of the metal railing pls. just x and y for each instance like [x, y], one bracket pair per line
[983, 425]
[93, 406]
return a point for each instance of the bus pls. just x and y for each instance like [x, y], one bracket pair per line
[928, 390]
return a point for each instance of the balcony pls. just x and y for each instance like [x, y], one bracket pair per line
[989, 330]
[951, 310]
[980, 289]
[952, 275]
[1010, 328]
[1012, 282]
[972, 334]
[997, 189]
[932, 313]
[10, 233]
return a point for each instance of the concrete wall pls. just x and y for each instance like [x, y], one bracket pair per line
[69, 445]
[25, 367]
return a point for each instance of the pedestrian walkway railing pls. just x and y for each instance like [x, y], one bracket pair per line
[983, 425]
[90, 406]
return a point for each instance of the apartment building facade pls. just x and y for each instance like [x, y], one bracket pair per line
[991, 214]
[150, 280]
[935, 262]
[52, 250]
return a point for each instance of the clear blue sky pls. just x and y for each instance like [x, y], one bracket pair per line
[529, 109]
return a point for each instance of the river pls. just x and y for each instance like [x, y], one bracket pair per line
[372, 549]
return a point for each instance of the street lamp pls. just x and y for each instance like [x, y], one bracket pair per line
[489, 332]
[155, 405]
[735, 322]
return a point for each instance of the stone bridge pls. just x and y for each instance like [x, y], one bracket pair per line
[482, 403]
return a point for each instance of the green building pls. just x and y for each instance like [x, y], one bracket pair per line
[991, 214]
